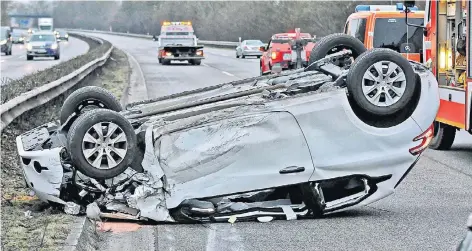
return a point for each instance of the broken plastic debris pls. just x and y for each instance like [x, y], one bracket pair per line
[28, 214]
[71, 208]
[83, 193]
[265, 218]
[232, 219]
[289, 213]
[93, 211]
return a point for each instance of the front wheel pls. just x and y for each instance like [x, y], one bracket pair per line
[101, 144]
[86, 98]
[381, 82]
[29, 58]
[197, 61]
[444, 136]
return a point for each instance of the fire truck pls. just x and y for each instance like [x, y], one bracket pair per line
[383, 26]
[447, 53]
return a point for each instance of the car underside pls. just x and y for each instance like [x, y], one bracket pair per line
[302, 143]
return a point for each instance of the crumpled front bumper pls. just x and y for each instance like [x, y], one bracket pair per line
[42, 169]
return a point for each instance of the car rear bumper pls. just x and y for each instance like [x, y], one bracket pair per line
[252, 53]
[48, 53]
[182, 58]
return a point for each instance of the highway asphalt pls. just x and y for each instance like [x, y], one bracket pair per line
[16, 65]
[428, 211]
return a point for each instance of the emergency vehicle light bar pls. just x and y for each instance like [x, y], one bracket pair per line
[167, 23]
[398, 6]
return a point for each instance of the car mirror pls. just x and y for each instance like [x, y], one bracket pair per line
[262, 48]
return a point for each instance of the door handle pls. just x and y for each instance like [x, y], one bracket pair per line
[292, 169]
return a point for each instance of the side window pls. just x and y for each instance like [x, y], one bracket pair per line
[360, 31]
[353, 27]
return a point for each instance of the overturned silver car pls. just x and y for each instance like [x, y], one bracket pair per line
[338, 134]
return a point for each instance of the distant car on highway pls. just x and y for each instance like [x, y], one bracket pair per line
[249, 48]
[279, 52]
[18, 36]
[62, 35]
[5, 40]
[43, 44]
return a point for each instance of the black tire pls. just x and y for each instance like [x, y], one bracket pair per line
[79, 129]
[197, 61]
[29, 58]
[444, 136]
[258, 56]
[335, 43]
[165, 62]
[57, 57]
[355, 81]
[86, 97]
[160, 60]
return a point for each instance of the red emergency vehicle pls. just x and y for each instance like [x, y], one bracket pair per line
[447, 51]
[279, 52]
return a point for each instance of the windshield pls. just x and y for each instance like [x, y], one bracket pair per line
[254, 42]
[62, 33]
[45, 27]
[392, 33]
[177, 33]
[42, 38]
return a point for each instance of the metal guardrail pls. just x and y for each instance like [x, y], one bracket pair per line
[222, 44]
[42, 94]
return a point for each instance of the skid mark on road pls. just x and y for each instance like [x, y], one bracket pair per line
[224, 237]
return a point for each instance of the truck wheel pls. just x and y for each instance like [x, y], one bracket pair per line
[101, 143]
[444, 136]
[381, 82]
[334, 43]
[197, 62]
[86, 98]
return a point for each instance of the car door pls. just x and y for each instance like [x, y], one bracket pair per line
[238, 154]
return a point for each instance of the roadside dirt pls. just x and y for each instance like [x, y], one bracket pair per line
[27, 223]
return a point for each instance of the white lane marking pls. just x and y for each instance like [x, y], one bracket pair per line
[227, 73]
[224, 237]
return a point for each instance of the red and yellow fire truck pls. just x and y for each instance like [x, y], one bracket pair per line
[447, 51]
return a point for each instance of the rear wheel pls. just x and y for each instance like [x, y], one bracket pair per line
[57, 57]
[444, 136]
[29, 58]
[335, 43]
[86, 98]
[101, 143]
[381, 82]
